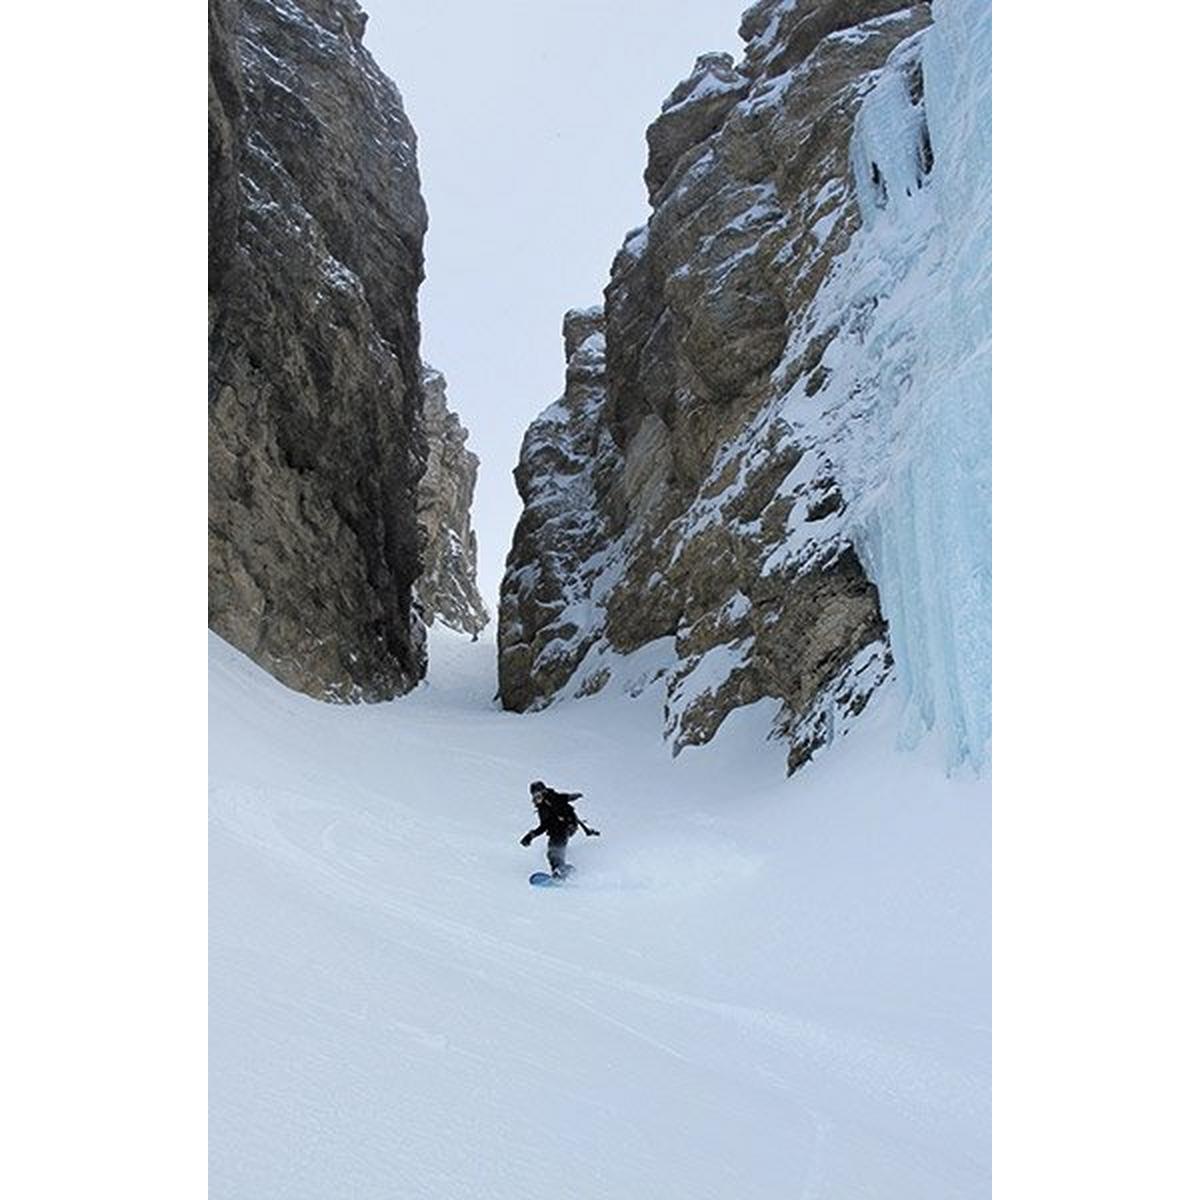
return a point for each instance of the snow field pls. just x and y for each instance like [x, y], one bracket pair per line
[754, 987]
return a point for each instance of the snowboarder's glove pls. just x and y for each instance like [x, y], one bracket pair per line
[525, 839]
[592, 832]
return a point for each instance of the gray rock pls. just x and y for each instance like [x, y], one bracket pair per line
[559, 531]
[668, 495]
[447, 588]
[316, 439]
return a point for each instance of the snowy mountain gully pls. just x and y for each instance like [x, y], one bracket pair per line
[745, 612]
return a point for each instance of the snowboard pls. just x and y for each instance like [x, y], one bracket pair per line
[545, 879]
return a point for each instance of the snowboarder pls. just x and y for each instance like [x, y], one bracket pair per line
[558, 821]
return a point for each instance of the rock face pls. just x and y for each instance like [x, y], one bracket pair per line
[546, 620]
[685, 492]
[447, 588]
[317, 444]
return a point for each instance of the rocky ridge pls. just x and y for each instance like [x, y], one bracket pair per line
[685, 491]
[447, 589]
[317, 440]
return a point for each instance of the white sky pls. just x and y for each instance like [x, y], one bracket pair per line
[530, 119]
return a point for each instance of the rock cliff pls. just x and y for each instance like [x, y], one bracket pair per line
[317, 444]
[685, 497]
[447, 588]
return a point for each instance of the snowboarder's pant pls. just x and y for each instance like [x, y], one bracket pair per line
[556, 854]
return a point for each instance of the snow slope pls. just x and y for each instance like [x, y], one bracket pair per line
[754, 988]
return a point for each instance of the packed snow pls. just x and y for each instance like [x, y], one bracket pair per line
[754, 987]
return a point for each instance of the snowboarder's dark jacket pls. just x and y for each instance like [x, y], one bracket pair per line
[556, 817]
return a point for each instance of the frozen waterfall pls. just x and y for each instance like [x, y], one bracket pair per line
[911, 371]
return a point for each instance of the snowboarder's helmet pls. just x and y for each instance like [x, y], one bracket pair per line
[537, 786]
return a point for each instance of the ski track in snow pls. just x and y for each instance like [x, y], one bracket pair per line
[753, 987]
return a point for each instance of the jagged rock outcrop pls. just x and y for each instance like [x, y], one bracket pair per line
[447, 588]
[316, 443]
[545, 622]
[685, 491]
